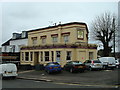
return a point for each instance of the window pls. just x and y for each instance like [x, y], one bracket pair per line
[76, 62]
[58, 55]
[41, 56]
[68, 57]
[52, 52]
[43, 40]
[80, 34]
[31, 56]
[22, 56]
[5, 48]
[90, 55]
[34, 40]
[26, 56]
[47, 56]
[66, 38]
[55, 39]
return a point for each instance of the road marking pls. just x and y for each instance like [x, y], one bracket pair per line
[108, 86]
[37, 81]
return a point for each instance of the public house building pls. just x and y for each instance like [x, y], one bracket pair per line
[60, 43]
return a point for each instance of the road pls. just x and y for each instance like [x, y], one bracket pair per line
[88, 79]
[19, 83]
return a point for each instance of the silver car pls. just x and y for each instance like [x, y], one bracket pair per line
[93, 64]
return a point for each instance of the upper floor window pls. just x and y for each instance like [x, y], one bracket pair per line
[43, 39]
[66, 38]
[34, 40]
[55, 39]
[80, 34]
[5, 48]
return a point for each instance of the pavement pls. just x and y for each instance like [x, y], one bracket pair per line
[30, 75]
[96, 78]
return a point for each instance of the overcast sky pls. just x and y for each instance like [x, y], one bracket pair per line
[20, 16]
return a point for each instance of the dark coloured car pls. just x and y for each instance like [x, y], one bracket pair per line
[53, 67]
[74, 66]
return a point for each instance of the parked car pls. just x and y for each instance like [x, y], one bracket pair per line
[108, 62]
[53, 67]
[73, 66]
[8, 70]
[93, 64]
[117, 63]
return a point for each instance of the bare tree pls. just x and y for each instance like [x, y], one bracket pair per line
[103, 29]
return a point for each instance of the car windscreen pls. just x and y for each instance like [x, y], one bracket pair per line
[77, 62]
[53, 64]
[97, 61]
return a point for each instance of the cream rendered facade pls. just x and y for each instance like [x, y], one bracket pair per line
[61, 43]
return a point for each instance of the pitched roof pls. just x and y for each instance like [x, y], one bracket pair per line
[71, 23]
[6, 43]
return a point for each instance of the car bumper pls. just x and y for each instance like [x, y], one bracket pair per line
[111, 66]
[10, 75]
[97, 67]
[55, 70]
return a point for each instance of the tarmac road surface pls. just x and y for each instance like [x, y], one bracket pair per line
[20, 83]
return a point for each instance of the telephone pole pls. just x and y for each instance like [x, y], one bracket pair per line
[114, 35]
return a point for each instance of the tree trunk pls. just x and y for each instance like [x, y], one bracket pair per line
[106, 49]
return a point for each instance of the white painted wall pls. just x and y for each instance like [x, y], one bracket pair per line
[15, 45]
[18, 43]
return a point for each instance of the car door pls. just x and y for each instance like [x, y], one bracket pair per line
[67, 66]
[87, 63]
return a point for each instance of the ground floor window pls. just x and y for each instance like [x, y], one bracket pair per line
[31, 56]
[26, 56]
[47, 56]
[90, 55]
[58, 54]
[22, 56]
[52, 55]
[68, 56]
[41, 56]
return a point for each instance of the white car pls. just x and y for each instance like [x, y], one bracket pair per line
[108, 62]
[8, 70]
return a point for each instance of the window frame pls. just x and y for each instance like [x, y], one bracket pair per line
[47, 56]
[26, 56]
[68, 55]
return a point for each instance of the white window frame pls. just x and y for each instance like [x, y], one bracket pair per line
[66, 38]
[55, 39]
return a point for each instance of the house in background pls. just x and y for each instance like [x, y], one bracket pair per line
[11, 48]
[60, 43]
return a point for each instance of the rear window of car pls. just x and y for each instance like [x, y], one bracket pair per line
[53, 64]
[97, 61]
[77, 62]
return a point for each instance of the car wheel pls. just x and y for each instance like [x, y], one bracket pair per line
[71, 70]
[117, 66]
[82, 71]
[104, 67]
[90, 69]
[48, 71]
